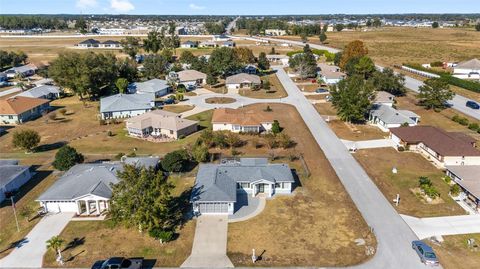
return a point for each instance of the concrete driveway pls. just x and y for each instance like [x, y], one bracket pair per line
[30, 253]
[451, 225]
[369, 144]
[210, 243]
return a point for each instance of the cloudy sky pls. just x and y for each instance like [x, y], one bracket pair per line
[237, 7]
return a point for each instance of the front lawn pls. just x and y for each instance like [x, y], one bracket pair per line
[276, 90]
[454, 252]
[177, 108]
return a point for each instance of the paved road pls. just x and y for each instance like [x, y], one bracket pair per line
[210, 243]
[393, 234]
[451, 225]
[30, 253]
[458, 102]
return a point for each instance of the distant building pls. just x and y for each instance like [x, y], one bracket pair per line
[110, 44]
[278, 59]
[275, 32]
[384, 98]
[207, 44]
[23, 70]
[228, 44]
[89, 43]
[468, 70]
[188, 45]
[191, 77]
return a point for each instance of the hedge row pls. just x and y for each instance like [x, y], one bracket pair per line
[466, 84]
[330, 56]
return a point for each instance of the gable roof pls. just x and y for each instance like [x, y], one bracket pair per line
[160, 119]
[328, 67]
[84, 179]
[146, 162]
[150, 86]
[384, 97]
[40, 91]
[442, 142]
[123, 102]
[111, 42]
[217, 182]
[19, 104]
[470, 177]
[240, 117]
[22, 68]
[89, 41]
[191, 75]
[390, 115]
[243, 78]
[470, 64]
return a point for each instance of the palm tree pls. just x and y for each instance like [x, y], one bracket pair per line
[56, 243]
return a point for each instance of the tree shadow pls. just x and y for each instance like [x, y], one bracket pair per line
[71, 258]
[180, 208]
[149, 263]
[52, 146]
[74, 243]
[260, 257]
[15, 244]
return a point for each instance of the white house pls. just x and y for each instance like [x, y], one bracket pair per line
[468, 70]
[330, 74]
[440, 147]
[386, 117]
[188, 45]
[278, 59]
[207, 44]
[228, 44]
[384, 98]
[468, 178]
[191, 77]
[12, 177]
[154, 87]
[242, 80]
[44, 91]
[236, 120]
[125, 105]
[23, 70]
[110, 44]
[275, 32]
[217, 186]
[89, 43]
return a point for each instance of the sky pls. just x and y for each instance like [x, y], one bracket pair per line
[237, 7]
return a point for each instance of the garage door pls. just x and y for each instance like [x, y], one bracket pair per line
[213, 208]
[61, 206]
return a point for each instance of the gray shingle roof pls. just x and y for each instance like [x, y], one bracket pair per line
[390, 115]
[147, 162]
[8, 172]
[84, 179]
[150, 86]
[243, 78]
[123, 102]
[217, 182]
[40, 91]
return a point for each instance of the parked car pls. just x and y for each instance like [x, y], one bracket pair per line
[169, 101]
[472, 105]
[425, 252]
[118, 263]
[321, 90]
[191, 87]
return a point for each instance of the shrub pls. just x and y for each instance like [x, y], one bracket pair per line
[63, 111]
[66, 157]
[424, 181]
[276, 127]
[473, 126]
[427, 187]
[200, 153]
[447, 179]
[436, 64]
[26, 139]
[102, 122]
[119, 156]
[235, 152]
[163, 235]
[175, 161]
[463, 121]
[455, 118]
[52, 116]
[401, 149]
[455, 190]
[109, 133]
[268, 109]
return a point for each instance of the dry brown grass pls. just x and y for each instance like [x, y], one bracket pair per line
[356, 132]
[378, 163]
[454, 253]
[276, 90]
[314, 227]
[177, 108]
[220, 100]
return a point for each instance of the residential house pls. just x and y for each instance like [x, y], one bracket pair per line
[43, 81]
[330, 74]
[188, 45]
[191, 77]
[440, 147]
[468, 178]
[19, 109]
[43, 91]
[250, 69]
[217, 186]
[86, 189]
[236, 120]
[110, 44]
[384, 98]
[125, 105]
[23, 70]
[278, 59]
[154, 87]
[275, 32]
[221, 38]
[242, 80]
[228, 44]
[207, 44]
[12, 177]
[160, 124]
[3, 77]
[468, 70]
[386, 117]
[89, 43]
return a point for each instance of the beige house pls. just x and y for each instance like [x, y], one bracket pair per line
[191, 77]
[160, 124]
[235, 120]
[242, 80]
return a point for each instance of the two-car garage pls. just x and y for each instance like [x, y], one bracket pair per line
[213, 207]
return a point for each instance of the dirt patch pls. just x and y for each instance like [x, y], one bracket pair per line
[220, 100]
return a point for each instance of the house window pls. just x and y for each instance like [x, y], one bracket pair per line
[243, 185]
[10, 117]
[279, 185]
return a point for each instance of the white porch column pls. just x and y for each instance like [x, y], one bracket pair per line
[79, 210]
[97, 206]
[254, 189]
[106, 204]
[87, 203]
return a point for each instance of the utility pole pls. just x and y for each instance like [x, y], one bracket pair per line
[15, 213]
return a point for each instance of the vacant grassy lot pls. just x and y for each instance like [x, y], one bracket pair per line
[276, 90]
[177, 108]
[356, 132]
[326, 109]
[454, 252]
[314, 227]
[378, 163]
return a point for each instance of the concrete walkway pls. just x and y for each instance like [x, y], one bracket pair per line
[254, 207]
[369, 144]
[210, 243]
[451, 225]
[30, 253]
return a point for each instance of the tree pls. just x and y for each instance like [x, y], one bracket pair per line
[285, 141]
[26, 139]
[386, 80]
[352, 98]
[127, 69]
[18, 58]
[325, 28]
[244, 55]
[122, 85]
[263, 62]
[200, 64]
[353, 49]
[376, 23]
[304, 37]
[322, 37]
[435, 25]
[187, 57]
[337, 58]
[365, 67]
[369, 23]
[435, 93]
[66, 157]
[153, 43]
[55, 243]
[477, 27]
[200, 153]
[224, 61]
[276, 127]
[131, 46]
[142, 199]
[81, 25]
[155, 66]
[339, 27]
[175, 161]
[304, 63]
[233, 140]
